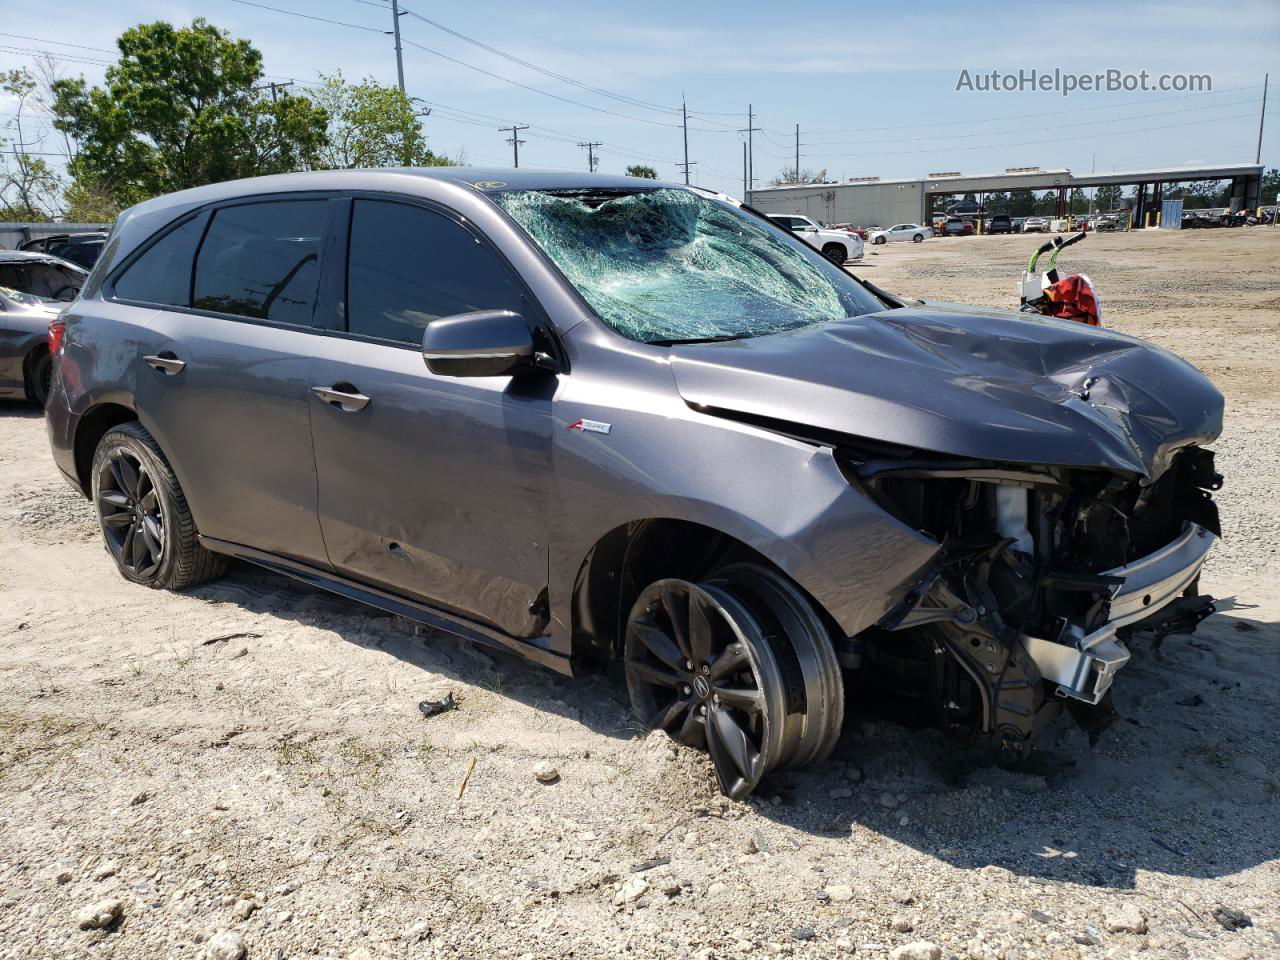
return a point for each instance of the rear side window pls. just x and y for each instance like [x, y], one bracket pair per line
[163, 273]
[409, 265]
[262, 261]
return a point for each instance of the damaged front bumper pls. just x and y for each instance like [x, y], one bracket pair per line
[1041, 578]
[1085, 668]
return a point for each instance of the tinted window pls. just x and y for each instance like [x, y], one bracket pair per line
[409, 266]
[47, 281]
[262, 260]
[163, 273]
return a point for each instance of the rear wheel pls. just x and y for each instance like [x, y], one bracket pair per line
[740, 664]
[836, 253]
[145, 521]
[40, 377]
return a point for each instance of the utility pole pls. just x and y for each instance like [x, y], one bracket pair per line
[750, 147]
[395, 29]
[797, 153]
[685, 166]
[745, 173]
[515, 140]
[275, 88]
[591, 155]
[1262, 116]
[684, 113]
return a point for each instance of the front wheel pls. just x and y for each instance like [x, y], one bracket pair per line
[918, 238]
[145, 520]
[878, 241]
[739, 664]
[836, 253]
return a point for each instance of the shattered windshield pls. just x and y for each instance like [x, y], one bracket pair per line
[668, 265]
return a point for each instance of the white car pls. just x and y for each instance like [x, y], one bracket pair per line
[1035, 225]
[902, 231]
[836, 245]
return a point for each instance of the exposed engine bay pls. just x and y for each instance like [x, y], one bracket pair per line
[1043, 577]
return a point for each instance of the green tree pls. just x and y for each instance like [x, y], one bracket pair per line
[181, 108]
[1270, 186]
[1107, 197]
[370, 126]
[791, 175]
[641, 170]
[1022, 203]
[86, 201]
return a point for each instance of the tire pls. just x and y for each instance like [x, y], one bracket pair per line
[879, 241]
[917, 238]
[836, 253]
[740, 664]
[145, 521]
[40, 377]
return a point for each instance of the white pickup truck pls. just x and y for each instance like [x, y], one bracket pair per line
[836, 245]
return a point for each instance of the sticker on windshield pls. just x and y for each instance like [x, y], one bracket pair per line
[489, 184]
[590, 426]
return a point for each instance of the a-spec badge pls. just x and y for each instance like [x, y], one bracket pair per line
[590, 426]
[489, 184]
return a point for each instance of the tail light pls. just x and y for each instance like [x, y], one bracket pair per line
[57, 329]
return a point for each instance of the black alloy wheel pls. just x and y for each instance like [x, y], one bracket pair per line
[146, 523]
[836, 253]
[698, 666]
[740, 664]
[131, 512]
[41, 379]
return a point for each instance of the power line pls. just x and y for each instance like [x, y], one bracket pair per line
[1054, 126]
[1024, 116]
[1034, 143]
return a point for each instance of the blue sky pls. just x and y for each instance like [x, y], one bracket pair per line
[873, 87]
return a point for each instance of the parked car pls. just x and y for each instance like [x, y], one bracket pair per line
[964, 208]
[958, 227]
[34, 288]
[902, 231]
[850, 228]
[836, 245]
[1110, 222]
[1018, 223]
[1000, 223]
[82, 249]
[1035, 225]
[563, 435]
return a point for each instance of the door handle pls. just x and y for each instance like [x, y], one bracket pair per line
[349, 400]
[166, 363]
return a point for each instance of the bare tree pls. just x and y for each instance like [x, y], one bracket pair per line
[29, 186]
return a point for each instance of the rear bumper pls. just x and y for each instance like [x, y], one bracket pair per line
[1085, 668]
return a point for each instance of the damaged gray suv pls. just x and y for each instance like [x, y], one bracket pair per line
[588, 418]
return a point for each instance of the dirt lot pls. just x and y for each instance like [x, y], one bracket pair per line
[245, 765]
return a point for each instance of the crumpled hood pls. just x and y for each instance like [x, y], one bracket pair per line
[973, 382]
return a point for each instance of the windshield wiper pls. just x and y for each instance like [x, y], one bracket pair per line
[719, 338]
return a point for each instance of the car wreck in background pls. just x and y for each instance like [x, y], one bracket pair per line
[34, 288]
[640, 423]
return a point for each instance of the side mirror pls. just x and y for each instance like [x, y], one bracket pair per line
[487, 343]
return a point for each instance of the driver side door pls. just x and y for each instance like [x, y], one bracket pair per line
[432, 487]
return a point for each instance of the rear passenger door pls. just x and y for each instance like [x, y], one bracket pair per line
[220, 368]
[432, 487]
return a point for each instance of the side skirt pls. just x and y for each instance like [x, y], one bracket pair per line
[533, 648]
